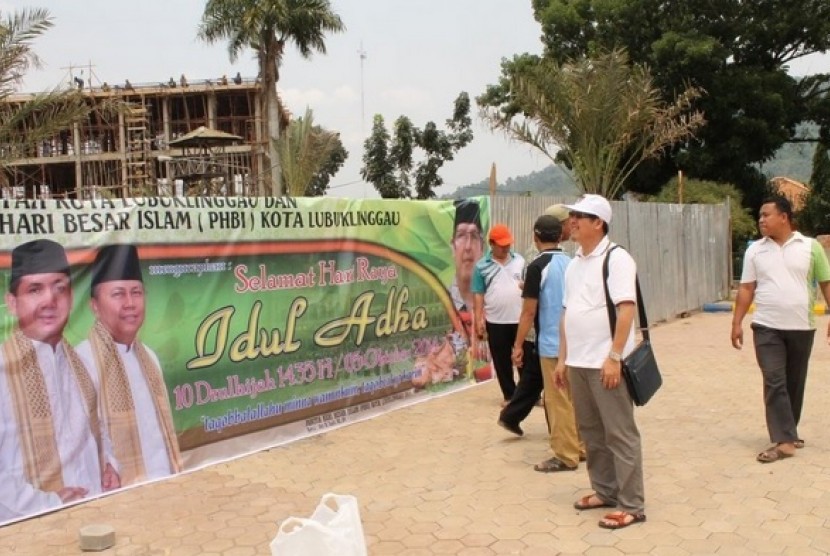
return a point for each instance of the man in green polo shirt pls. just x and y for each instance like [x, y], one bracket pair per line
[780, 273]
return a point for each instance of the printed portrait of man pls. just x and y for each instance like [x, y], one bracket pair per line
[133, 396]
[52, 447]
[467, 248]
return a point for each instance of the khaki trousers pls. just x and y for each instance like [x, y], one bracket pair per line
[559, 412]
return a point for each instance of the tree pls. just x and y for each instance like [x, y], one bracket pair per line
[814, 218]
[737, 51]
[44, 115]
[266, 26]
[389, 163]
[320, 182]
[709, 192]
[304, 150]
[378, 167]
[600, 116]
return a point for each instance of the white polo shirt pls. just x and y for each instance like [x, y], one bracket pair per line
[785, 278]
[587, 330]
[500, 284]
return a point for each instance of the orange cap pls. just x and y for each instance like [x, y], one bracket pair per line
[501, 236]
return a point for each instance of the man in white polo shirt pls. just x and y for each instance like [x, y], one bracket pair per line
[497, 295]
[780, 273]
[602, 404]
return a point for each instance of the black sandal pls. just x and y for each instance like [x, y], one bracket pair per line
[553, 465]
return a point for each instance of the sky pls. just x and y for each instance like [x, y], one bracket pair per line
[418, 56]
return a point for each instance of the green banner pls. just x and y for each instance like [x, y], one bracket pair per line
[183, 331]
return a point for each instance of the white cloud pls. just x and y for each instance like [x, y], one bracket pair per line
[317, 98]
[298, 99]
[353, 139]
[346, 93]
[404, 99]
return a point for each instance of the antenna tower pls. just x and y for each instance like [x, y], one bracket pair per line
[362, 54]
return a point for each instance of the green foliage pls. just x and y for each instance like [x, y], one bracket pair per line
[709, 192]
[305, 149]
[256, 23]
[737, 51]
[600, 116]
[401, 154]
[378, 166]
[320, 182]
[267, 26]
[814, 218]
[23, 124]
[389, 162]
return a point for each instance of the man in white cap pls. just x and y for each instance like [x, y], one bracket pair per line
[591, 360]
[134, 401]
[52, 447]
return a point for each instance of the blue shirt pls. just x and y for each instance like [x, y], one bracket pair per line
[551, 297]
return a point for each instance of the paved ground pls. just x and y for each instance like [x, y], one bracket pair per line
[441, 478]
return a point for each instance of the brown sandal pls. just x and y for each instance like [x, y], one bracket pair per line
[584, 503]
[618, 520]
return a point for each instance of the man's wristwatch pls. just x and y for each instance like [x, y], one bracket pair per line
[614, 356]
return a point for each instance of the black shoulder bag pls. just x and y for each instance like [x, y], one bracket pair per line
[640, 368]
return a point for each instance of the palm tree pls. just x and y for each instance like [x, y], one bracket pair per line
[266, 26]
[601, 116]
[25, 123]
[303, 150]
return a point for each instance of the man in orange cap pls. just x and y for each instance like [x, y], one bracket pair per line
[496, 285]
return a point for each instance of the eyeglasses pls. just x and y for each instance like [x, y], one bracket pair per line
[579, 215]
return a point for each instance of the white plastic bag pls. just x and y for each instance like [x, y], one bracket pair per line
[334, 529]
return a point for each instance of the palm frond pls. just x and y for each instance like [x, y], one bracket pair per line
[304, 148]
[602, 114]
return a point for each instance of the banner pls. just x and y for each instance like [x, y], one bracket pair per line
[144, 337]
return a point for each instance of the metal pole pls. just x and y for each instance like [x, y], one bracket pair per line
[362, 54]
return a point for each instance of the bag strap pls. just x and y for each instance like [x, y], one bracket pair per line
[609, 304]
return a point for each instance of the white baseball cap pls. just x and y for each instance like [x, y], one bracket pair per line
[593, 204]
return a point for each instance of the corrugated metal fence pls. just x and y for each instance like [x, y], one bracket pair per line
[683, 252]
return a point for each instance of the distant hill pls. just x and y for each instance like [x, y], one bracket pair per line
[793, 160]
[553, 180]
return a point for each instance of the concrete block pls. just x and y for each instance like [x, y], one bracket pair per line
[96, 537]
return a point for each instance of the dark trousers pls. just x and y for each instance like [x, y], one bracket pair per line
[783, 356]
[501, 338]
[529, 387]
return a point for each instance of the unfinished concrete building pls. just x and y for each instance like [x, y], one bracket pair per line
[174, 138]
